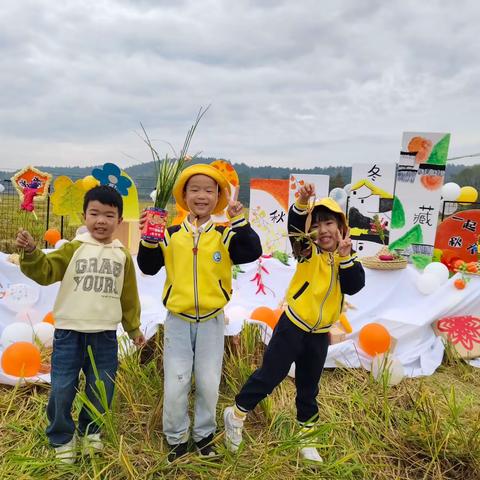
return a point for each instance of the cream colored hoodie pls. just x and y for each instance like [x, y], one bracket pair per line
[98, 286]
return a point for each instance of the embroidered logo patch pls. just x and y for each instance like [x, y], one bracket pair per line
[217, 256]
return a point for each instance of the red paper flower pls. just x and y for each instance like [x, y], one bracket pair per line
[462, 329]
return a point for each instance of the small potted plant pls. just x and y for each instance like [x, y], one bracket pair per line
[167, 171]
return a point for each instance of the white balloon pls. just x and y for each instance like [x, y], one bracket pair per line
[439, 270]
[388, 365]
[61, 242]
[43, 332]
[16, 332]
[2, 188]
[427, 283]
[21, 296]
[153, 194]
[29, 316]
[339, 195]
[450, 192]
[347, 188]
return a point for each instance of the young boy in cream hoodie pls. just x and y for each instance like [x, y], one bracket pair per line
[98, 290]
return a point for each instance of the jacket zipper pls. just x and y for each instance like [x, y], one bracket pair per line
[196, 239]
[332, 264]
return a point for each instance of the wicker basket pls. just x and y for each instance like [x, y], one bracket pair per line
[377, 264]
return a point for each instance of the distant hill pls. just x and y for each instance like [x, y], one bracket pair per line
[143, 175]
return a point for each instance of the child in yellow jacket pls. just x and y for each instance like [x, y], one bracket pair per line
[198, 258]
[98, 290]
[326, 270]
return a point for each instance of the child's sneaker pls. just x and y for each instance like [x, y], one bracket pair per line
[177, 451]
[311, 454]
[233, 429]
[66, 453]
[205, 447]
[92, 442]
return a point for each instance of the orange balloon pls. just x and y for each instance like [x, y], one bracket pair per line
[265, 315]
[21, 359]
[49, 318]
[374, 339]
[52, 236]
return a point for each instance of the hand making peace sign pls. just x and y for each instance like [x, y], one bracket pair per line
[235, 207]
[344, 244]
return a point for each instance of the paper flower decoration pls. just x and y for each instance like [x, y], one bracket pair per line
[111, 175]
[31, 183]
[67, 198]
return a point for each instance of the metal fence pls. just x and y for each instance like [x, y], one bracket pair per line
[12, 218]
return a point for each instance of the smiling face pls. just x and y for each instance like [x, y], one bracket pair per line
[328, 228]
[101, 220]
[201, 196]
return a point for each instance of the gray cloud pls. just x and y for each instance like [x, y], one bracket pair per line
[311, 82]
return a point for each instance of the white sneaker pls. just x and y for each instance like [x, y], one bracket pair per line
[311, 454]
[233, 429]
[66, 453]
[92, 442]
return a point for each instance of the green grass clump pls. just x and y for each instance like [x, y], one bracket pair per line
[425, 428]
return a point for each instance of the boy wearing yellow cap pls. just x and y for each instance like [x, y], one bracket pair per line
[326, 270]
[198, 258]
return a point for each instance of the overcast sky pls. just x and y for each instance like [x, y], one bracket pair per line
[291, 83]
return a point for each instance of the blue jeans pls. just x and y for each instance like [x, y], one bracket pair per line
[69, 357]
[191, 348]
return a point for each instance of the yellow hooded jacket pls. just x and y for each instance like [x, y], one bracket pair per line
[199, 266]
[315, 294]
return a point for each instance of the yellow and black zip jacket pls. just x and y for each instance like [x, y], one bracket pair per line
[199, 265]
[315, 294]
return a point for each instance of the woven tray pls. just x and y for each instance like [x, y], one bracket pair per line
[377, 264]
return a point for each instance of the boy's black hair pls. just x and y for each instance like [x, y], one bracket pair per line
[106, 195]
[322, 214]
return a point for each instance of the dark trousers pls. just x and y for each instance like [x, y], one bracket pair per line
[289, 344]
[69, 357]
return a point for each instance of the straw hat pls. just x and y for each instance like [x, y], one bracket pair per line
[209, 171]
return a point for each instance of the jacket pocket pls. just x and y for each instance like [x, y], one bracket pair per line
[225, 293]
[165, 298]
[301, 290]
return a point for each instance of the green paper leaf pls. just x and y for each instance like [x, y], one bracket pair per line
[398, 214]
[420, 261]
[439, 153]
[414, 235]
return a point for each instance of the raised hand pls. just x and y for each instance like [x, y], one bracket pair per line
[305, 192]
[139, 341]
[234, 206]
[344, 247]
[25, 241]
[142, 220]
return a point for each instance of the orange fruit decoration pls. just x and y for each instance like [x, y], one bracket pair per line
[265, 315]
[431, 182]
[374, 339]
[459, 283]
[21, 359]
[52, 236]
[49, 318]
[472, 267]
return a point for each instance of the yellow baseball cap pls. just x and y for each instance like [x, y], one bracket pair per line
[333, 206]
[209, 171]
